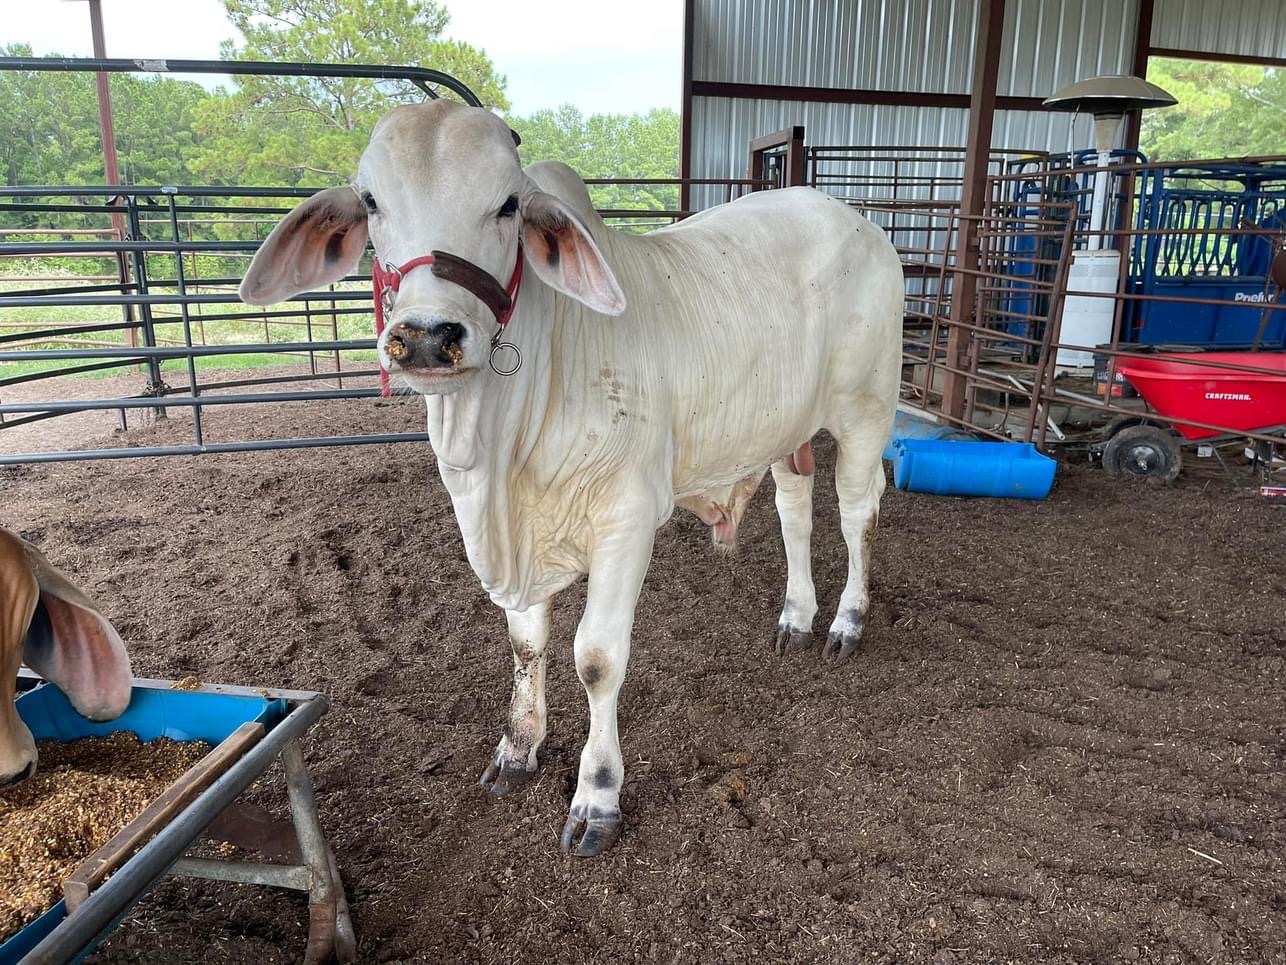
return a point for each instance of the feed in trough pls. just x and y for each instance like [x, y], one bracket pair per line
[84, 793]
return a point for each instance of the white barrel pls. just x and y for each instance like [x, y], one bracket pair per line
[1087, 319]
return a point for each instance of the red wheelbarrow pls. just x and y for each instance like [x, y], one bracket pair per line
[1194, 386]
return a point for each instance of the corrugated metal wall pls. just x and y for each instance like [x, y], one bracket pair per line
[1049, 44]
[916, 45]
[1254, 28]
[836, 43]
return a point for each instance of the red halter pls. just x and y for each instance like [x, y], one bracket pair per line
[386, 281]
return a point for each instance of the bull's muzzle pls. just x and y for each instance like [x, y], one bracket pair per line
[438, 346]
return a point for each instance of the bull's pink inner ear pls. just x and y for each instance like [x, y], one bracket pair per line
[560, 250]
[319, 242]
[76, 648]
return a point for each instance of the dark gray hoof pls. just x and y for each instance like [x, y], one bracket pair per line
[840, 647]
[502, 777]
[792, 640]
[587, 837]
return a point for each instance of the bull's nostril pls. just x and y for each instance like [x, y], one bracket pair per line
[396, 348]
[412, 347]
[448, 336]
[447, 333]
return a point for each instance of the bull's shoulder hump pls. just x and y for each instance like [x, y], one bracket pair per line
[800, 218]
[783, 204]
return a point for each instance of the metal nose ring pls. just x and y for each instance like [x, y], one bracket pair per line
[505, 352]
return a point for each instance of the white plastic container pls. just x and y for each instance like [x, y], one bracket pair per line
[1087, 319]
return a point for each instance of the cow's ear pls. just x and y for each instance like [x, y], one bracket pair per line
[74, 646]
[319, 242]
[561, 251]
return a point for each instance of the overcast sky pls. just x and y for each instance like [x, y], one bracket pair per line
[583, 52]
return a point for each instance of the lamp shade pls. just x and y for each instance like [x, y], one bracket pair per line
[1110, 94]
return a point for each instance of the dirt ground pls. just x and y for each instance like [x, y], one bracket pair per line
[1063, 741]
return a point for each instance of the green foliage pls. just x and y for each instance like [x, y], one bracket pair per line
[49, 126]
[1224, 110]
[609, 146]
[282, 131]
[305, 130]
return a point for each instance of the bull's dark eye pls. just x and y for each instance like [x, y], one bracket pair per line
[508, 209]
[369, 202]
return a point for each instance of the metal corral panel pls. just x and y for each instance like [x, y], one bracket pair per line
[836, 43]
[1253, 28]
[722, 127]
[1049, 44]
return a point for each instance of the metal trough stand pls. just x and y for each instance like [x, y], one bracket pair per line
[203, 803]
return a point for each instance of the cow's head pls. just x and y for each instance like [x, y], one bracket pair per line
[435, 177]
[48, 622]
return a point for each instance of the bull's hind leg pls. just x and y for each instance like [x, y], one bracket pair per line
[795, 507]
[859, 481]
[515, 758]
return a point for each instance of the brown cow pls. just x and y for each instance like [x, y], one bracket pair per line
[52, 626]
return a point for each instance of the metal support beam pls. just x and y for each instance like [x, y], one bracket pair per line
[323, 899]
[105, 107]
[982, 111]
[855, 95]
[107, 133]
[685, 108]
[1252, 59]
[1142, 52]
[420, 76]
[293, 877]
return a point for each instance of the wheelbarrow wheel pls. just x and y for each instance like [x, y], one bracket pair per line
[1143, 451]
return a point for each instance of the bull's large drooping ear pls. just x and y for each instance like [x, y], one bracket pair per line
[561, 251]
[74, 646]
[319, 242]
[18, 596]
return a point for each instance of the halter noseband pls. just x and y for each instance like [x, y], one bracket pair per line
[387, 280]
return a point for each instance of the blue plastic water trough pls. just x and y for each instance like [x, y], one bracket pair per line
[952, 467]
[913, 425]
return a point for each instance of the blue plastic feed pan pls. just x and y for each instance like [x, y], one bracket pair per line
[152, 713]
[951, 467]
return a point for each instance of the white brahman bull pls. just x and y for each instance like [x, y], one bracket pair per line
[47, 621]
[662, 369]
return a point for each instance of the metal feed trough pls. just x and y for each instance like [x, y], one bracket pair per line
[250, 728]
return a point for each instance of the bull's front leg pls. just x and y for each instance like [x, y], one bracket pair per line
[620, 560]
[515, 759]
